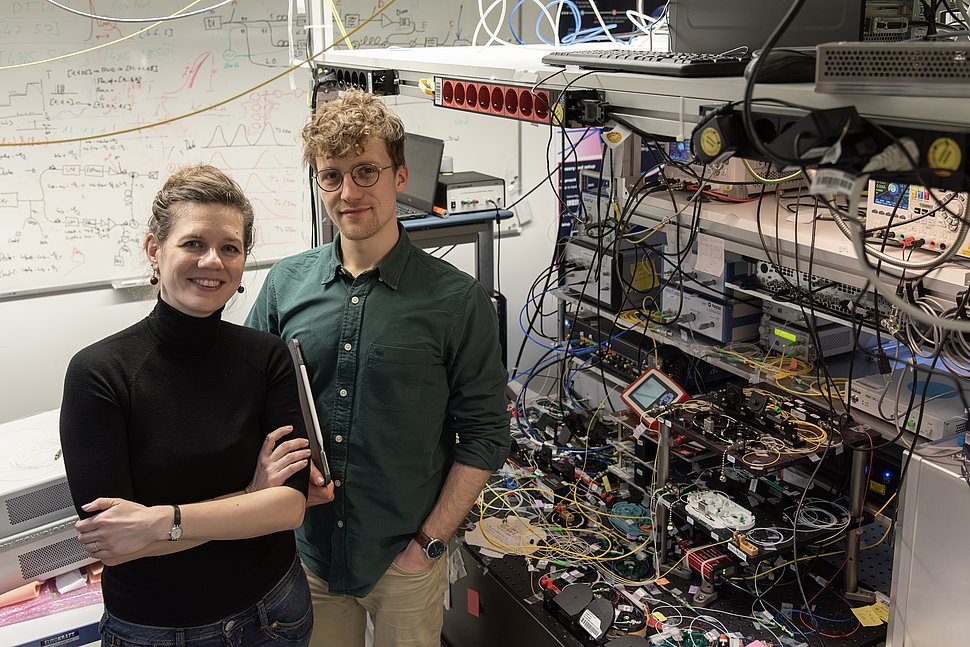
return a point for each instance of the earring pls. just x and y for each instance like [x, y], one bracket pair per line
[241, 288]
[154, 279]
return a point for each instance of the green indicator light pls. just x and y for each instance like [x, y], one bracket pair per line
[910, 424]
[784, 334]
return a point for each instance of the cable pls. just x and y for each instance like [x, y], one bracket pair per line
[746, 117]
[174, 16]
[96, 47]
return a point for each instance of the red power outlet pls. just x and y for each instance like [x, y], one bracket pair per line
[509, 101]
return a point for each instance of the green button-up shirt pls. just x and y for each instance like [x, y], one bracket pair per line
[405, 366]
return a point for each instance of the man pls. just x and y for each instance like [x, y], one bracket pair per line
[404, 359]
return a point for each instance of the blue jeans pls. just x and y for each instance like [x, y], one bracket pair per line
[282, 618]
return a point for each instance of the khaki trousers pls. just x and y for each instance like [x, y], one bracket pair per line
[406, 609]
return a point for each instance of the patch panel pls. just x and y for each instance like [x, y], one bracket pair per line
[379, 81]
[826, 295]
[512, 102]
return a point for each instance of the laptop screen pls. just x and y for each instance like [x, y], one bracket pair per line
[423, 157]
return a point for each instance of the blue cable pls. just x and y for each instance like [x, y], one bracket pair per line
[577, 19]
[511, 27]
[587, 35]
[520, 405]
[569, 381]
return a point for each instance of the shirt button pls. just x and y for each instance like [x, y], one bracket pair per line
[338, 438]
[355, 300]
[343, 393]
[336, 482]
[347, 346]
[230, 625]
[340, 524]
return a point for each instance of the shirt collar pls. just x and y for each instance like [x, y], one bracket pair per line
[389, 270]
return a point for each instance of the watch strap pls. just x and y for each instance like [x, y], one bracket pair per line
[176, 532]
[422, 539]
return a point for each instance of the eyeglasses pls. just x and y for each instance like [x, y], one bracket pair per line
[363, 175]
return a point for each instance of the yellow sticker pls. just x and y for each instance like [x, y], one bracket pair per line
[881, 610]
[606, 483]
[867, 616]
[644, 275]
[944, 155]
[614, 137]
[659, 616]
[555, 114]
[878, 488]
[711, 142]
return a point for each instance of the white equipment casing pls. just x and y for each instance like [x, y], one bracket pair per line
[37, 536]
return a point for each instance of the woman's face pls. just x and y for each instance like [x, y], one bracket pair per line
[201, 262]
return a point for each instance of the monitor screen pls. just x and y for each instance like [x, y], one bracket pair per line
[652, 392]
[680, 151]
[717, 26]
[891, 194]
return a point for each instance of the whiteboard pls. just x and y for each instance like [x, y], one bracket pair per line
[75, 214]
[407, 23]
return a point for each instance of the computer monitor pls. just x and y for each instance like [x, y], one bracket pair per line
[716, 26]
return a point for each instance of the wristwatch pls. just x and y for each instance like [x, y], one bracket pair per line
[176, 532]
[433, 548]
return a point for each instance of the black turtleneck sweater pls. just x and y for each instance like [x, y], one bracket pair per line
[174, 410]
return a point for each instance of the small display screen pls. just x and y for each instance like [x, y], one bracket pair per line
[891, 194]
[784, 334]
[652, 393]
[680, 151]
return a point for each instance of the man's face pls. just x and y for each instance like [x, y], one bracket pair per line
[361, 213]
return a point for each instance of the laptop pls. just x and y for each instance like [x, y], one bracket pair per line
[313, 431]
[423, 157]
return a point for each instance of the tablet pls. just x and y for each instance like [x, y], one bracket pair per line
[313, 431]
[651, 391]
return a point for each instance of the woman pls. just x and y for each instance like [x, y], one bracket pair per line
[161, 428]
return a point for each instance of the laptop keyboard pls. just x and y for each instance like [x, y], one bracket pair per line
[407, 212]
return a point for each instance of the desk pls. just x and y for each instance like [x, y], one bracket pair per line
[455, 229]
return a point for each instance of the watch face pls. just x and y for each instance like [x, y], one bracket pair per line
[175, 533]
[436, 548]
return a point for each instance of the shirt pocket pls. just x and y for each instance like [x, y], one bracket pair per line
[394, 377]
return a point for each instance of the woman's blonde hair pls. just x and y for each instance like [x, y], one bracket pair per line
[201, 184]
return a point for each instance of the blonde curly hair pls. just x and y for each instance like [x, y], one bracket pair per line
[346, 123]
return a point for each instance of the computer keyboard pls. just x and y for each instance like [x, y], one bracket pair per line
[646, 62]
